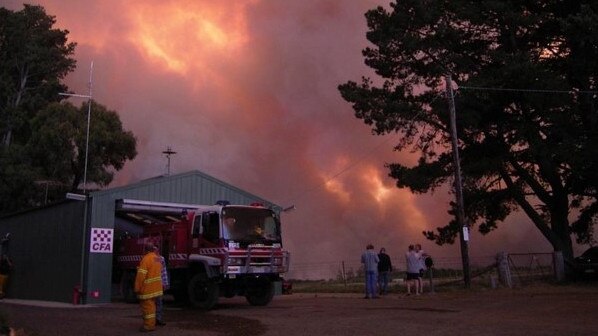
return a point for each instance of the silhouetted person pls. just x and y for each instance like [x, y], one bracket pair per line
[5, 269]
[384, 269]
[165, 286]
[413, 267]
[370, 260]
[422, 266]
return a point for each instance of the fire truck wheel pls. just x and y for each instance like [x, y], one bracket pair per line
[260, 293]
[180, 296]
[203, 293]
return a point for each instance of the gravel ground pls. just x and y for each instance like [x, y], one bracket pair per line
[544, 310]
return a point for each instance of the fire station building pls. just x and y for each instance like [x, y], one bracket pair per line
[63, 252]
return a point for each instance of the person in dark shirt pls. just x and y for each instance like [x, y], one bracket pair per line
[5, 268]
[384, 269]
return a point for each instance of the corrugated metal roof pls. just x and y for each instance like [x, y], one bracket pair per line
[166, 184]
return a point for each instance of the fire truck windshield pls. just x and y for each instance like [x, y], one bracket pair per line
[250, 224]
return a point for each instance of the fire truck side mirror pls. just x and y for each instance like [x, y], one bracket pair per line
[196, 230]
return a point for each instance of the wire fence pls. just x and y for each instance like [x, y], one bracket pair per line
[528, 268]
[523, 268]
[327, 270]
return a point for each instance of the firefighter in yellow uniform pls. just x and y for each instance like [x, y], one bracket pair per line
[148, 286]
[5, 268]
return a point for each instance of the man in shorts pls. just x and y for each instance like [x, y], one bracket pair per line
[413, 267]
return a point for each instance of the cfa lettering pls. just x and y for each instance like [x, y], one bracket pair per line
[101, 247]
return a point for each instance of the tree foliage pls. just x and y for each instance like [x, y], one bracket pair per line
[42, 153]
[34, 57]
[526, 80]
[58, 146]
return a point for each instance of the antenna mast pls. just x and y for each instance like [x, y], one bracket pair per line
[168, 152]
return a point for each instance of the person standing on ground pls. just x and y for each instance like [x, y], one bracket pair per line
[384, 269]
[5, 268]
[148, 286]
[165, 286]
[422, 266]
[370, 260]
[413, 267]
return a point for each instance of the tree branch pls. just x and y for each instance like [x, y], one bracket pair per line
[529, 209]
[538, 189]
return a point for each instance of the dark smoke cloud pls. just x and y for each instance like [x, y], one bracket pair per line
[247, 92]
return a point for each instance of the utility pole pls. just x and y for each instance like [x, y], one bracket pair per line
[464, 234]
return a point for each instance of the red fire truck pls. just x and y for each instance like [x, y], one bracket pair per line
[211, 251]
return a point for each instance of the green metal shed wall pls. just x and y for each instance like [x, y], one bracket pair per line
[193, 187]
[45, 247]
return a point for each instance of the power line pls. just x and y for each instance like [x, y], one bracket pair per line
[376, 147]
[523, 90]
[370, 152]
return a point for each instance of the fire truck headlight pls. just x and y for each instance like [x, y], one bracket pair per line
[236, 261]
[277, 261]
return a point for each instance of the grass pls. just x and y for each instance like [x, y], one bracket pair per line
[444, 284]
[333, 286]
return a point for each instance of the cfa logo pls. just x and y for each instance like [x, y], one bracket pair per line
[101, 240]
[101, 247]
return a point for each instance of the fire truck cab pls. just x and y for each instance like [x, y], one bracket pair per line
[211, 251]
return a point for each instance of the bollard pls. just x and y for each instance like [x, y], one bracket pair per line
[430, 265]
[504, 270]
[76, 294]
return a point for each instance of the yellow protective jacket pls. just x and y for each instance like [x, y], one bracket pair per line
[148, 282]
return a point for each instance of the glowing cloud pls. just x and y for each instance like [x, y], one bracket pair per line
[378, 190]
[337, 188]
[187, 36]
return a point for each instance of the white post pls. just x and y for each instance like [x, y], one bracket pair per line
[504, 271]
[89, 97]
[88, 124]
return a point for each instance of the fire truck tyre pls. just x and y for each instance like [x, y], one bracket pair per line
[180, 296]
[128, 284]
[261, 293]
[203, 292]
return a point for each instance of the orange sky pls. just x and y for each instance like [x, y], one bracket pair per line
[246, 91]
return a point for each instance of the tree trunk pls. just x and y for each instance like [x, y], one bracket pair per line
[557, 231]
[7, 139]
[559, 223]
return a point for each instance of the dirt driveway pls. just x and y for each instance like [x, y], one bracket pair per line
[544, 310]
